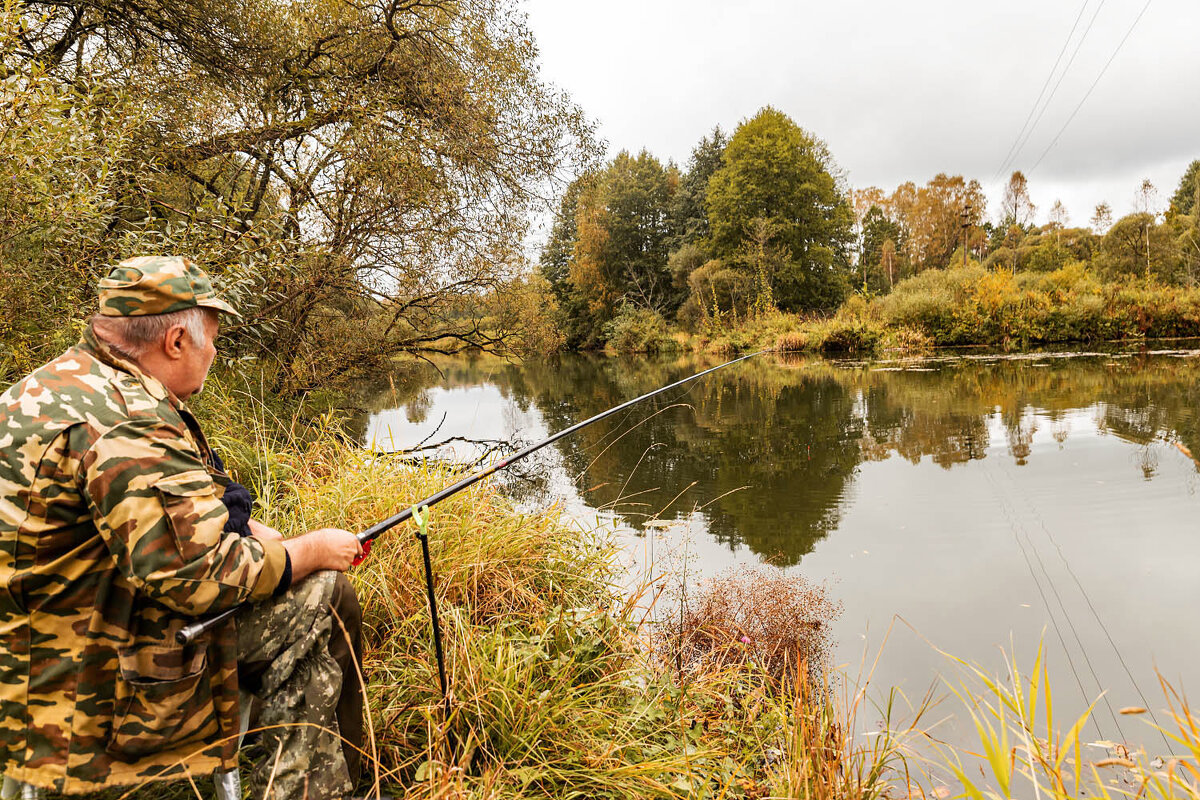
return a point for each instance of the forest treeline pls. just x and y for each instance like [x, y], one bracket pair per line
[763, 220]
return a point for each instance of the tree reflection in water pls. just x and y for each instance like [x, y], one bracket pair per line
[770, 448]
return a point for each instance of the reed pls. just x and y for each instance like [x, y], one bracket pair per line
[1024, 752]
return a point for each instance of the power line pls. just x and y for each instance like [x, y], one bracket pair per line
[1049, 77]
[1128, 33]
[1058, 83]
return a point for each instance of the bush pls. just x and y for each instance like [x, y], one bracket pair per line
[847, 334]
[778, 620]
[638, 330]
[975, 306]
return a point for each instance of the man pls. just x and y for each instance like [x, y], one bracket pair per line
[112, 538]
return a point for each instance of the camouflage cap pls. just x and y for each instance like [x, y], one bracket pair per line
[157, 285]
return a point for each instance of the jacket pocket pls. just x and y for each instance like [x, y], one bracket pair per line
[188, 500]
[163, 700]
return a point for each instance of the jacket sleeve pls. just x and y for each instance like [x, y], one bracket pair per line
[155, 505]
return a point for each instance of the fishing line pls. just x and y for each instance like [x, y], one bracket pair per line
[1083, 650]
[1099, 621]
[1016, 527]
[1063, 608]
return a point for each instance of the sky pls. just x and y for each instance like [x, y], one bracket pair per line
[901, 91]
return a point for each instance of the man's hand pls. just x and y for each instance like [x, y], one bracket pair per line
[265, 532]
[327, 548]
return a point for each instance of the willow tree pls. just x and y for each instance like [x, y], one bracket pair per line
[361, 175]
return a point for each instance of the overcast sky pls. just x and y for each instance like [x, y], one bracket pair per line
[900, 91]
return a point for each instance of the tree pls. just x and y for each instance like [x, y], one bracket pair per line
[359, 175]
[689, 215]
[1102, 218]
[620, 252]
[556, 254]
[887, 261]
[775, 171]
[932, 217]
[1146, 198]
[1189, 244]
[763, 260]
[1135, 246]
[1058, 215]
[555, 262]
[1187, 196]
[877, 228]
[1017, 208]
[881, 237]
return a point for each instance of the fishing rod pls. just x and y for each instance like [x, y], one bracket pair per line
[189, 633]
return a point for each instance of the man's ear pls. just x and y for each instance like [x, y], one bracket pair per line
[173, 341]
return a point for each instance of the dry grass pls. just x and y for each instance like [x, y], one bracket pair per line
[759, 615]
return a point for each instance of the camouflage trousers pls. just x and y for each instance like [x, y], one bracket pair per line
[289, 649]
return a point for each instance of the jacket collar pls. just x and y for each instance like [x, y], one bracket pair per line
[94, 345]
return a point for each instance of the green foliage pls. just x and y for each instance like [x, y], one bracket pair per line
[689, 215]
[556, 254]
[63, 152]
[719, 294]
[1043, 249]
[878, 228]
[1137, 245]
[767, 202]
[1187, 196]
[976, 306]
[610, 246]
[638, 330]
[775, 171]
[683, 262]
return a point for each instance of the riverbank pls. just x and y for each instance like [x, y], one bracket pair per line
[951, 307]
[560, 687]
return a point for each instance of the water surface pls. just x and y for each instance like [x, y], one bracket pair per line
[972, 503]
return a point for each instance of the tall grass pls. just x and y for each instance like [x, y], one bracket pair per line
[977, 306]
[1024, 751]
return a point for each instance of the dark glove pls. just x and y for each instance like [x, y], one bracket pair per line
[240, 504]
[237, 500]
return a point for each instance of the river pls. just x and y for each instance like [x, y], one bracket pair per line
[971, 503]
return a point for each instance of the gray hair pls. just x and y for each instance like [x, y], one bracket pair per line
[133, 336]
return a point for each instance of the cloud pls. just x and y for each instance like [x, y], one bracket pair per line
[899, 91]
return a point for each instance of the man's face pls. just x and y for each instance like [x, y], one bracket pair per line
[196, 359]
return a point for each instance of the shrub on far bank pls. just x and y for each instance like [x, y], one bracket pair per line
[638, 330]
[1016, 309]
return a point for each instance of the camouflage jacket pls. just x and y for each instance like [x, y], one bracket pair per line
[111, 539]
